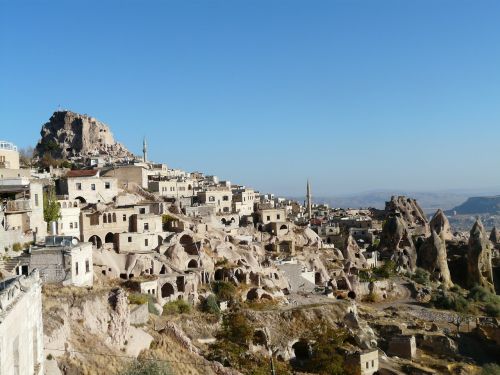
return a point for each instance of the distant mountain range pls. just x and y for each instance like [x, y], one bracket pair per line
[447, 200]
[478, 205]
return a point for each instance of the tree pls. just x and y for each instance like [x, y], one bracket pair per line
[236, 328]
[210, 305]
[26, 156]
[148, 367]
[325, 358]
[223, 290]
[51, 208]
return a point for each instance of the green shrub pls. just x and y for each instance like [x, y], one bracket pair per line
[421, 276]
[449, 301]
[138, 298]
[148, 367]
[325, 358]
[209, 305]
[492, 309]
[365, 276]
[17, 247]
[223, 290]
[481, 294]
[386, 271]
[176, 307]
[491, 369]
[236, 328]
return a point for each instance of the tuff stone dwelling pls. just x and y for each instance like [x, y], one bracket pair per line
[169, 234]
[21, 326]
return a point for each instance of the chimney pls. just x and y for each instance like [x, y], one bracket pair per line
[53, 228]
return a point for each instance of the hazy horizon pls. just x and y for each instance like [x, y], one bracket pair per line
[269, 94]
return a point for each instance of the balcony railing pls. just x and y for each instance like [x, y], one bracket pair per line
[18, 205]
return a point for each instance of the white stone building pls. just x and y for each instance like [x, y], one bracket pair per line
[220, 197]
[243, 201]
[69, 222]
[88, 187]
[21, 326]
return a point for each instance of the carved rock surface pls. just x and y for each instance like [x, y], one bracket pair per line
[71, 134]
[396, 242]
[479, 269]
[432, 256]
[440, 224]
[410, 211]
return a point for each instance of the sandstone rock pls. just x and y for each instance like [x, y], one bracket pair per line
[410, 212]
[396, 242]
[495, 236]
[479, 269]
[71, 134]
[432, 257]
[352, 253]
[440, 224]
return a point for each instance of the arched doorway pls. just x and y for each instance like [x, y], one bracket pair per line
[301, 350]
[81, 199]
[192, 264]
[96, 241]
[167, 290]
[110, 238]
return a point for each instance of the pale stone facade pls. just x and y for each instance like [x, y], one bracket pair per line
[21, 326]
[9, 156]
[172, 187]
[243, 201]
[88, 187]
[221, 198]
[126, 174]
[69, 222]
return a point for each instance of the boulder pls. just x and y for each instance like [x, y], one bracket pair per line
[479, 269]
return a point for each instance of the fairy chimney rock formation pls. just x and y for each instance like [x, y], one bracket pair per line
[440, 224]
[411, 212]
[479, 269]
[432, 256]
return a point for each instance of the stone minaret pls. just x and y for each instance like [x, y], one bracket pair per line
[144, 151]
[309, 201]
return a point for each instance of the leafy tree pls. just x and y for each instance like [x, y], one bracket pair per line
[421, 276]
[51, 208]
[236, 328]
[210, 305]
[26, 156]
[223, 290]
[325, 358]
[148, 367]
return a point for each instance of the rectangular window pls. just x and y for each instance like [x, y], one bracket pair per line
[87, 266]
[70, 225]
[373, 363]
[78, 186]
[92, 186]
[146, 226]
[76, 225]
[366, 364]
[278, 217]
[225, 198]
[107, 185]
[36, 200]
[130, 239]
[76, 268]
[124, 217]
[146, 242]
[268, 218]
[142, 211]
[211, 199]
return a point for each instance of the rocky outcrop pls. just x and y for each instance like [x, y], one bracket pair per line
[410, 211]
[353, 254]
[69, 134]
[396, 243]
[432, 256]
[440, 224]
[495, 236]
[479, 269]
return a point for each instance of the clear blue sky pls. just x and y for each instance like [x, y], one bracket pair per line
[355, 95]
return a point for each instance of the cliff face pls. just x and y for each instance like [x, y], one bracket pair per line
[69, 134]
[479, 205]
